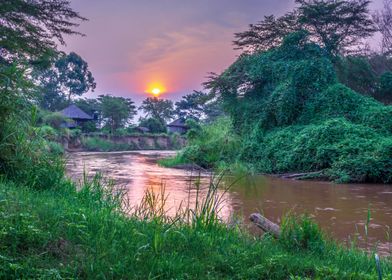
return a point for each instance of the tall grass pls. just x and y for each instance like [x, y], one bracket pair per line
[82, 232]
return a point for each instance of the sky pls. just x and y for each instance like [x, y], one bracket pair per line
[132, 46]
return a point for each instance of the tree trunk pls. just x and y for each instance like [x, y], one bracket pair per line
[265, 224]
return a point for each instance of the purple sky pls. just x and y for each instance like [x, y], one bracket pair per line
[131, 44]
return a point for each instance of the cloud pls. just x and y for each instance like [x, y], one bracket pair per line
[131, 43]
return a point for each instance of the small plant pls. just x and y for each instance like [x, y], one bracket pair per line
[302, 233]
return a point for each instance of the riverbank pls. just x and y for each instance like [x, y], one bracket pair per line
[112, 143]
[63, 233]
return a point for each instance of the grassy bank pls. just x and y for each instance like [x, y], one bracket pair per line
[65, 234]
[141, 142]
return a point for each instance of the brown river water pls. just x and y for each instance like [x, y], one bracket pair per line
[340, 209]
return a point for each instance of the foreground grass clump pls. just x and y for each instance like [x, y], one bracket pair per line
[68, 234]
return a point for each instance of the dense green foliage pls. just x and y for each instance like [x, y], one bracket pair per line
[154, 125]
[116, 111]
[24, 154]
[159, 109]
[291, 115]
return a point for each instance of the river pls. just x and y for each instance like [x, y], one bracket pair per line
[340, 209]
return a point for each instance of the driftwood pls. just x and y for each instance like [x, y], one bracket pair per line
[299, 176]
[265, 224]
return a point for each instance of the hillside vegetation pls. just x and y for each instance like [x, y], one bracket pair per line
[289, 113]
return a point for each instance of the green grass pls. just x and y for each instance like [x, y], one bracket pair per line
[177, 160]
[65, 234]
[101, 145]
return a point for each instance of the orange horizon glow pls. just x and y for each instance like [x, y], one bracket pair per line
[155, 89]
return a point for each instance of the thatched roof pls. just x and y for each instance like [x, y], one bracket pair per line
[75, 113]
[178, 123]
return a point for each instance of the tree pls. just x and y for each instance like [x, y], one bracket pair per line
[68, 76]
[160, 109]
[192, 105]
[337, 25]
[383, 20]
[89, 105]
[154, 125]
[73, 76]
[30, 28]
[117, 111]
[198, 105]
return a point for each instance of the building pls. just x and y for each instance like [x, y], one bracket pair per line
[76, 115]
[142, 129]
[177, 126]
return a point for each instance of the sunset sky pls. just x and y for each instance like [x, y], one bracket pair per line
[133, 46]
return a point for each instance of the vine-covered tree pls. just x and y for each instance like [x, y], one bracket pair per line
[337, 25]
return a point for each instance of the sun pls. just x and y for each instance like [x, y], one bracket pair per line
[156, 91]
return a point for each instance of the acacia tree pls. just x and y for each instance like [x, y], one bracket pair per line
[337, 25]
[117, 111]
[67, 77]
[160, 109]
[30, 28]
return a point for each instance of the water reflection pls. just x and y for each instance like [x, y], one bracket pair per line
[340, 209]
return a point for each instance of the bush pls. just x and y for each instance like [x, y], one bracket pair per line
[212, 145]
[386, 84]
[55, 148]
[55, 120]
[327, 146]
[48, 132]
[154, 125]
[302, 233]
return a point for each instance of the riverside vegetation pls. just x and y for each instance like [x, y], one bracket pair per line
[287, 112]
[52, 228]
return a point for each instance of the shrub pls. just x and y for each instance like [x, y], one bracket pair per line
[386, 84]
[55, 148]
[48, 132]
[214, 144]
[55, 120]
[302, 233]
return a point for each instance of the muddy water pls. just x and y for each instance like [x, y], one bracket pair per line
[340, 209]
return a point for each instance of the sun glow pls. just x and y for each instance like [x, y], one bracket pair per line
[156, 89]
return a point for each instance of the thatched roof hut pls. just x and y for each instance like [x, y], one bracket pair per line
[178, 126]
[75, 113]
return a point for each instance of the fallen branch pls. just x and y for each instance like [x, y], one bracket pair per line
[299, 176]
[265, 224]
